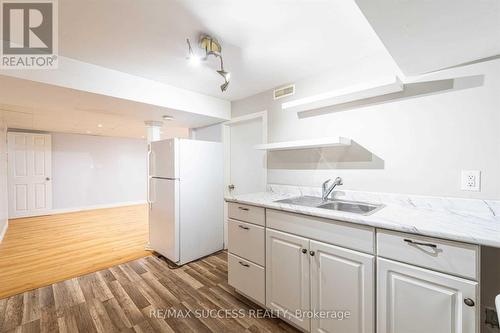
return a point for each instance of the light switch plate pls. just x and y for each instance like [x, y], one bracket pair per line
[471, 180]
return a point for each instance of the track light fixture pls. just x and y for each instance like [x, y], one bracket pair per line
[223, 86]
[225, 75]
[211, 47]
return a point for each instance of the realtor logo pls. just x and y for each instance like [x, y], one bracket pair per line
[29, 34]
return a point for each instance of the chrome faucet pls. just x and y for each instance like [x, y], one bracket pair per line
[328, 189]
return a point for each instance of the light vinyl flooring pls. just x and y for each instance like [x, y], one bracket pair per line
[39, 251]
[123, 298]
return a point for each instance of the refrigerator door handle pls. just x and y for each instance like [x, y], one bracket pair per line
[149, 193]
[151, 161]
[151, 196]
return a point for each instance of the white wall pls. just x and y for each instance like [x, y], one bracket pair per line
[415, 144]
[95, 170]
[4, 213]
[208, 133]
[174, 132]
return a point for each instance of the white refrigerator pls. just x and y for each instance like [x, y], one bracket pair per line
[186, 199]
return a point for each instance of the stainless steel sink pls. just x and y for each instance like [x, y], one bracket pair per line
[303, 201]
[354, 207]
[351, 207]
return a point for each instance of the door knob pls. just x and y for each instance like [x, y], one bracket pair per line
[47, 178]
[311, 253]
[231, 187]
[304, 250]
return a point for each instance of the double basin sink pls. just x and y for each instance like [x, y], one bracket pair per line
[354, 207]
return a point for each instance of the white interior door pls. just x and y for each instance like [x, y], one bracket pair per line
[247, 165]
[30, 174]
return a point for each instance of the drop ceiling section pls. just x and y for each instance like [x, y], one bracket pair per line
[31, 105]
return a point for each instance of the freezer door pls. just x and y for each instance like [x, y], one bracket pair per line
[164, 217]
[163, 161]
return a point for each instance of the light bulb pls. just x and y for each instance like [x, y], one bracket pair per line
[194, 60]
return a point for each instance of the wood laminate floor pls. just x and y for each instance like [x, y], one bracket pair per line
[39, 251]
[124, 297]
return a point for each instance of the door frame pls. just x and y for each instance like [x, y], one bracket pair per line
[226, 141]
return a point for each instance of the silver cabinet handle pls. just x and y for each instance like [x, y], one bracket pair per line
[243, 264]
[469, 302]
[412, 242]
[243, 208]
[243, 227]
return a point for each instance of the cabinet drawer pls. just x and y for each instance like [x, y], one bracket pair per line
[436, 254]
[247, 241]
[247, 277]
[349, 235]
[247, 213]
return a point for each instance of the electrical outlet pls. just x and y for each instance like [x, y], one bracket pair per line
[471, 180]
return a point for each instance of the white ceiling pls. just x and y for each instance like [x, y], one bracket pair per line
[425, 36]
[32, 105]
[265, 43]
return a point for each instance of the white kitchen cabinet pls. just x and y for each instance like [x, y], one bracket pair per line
[342, 280]
[406, 284]
[246, 277]
[287, 276]
[246, 259]
[348, 235]
[304, 275]
[247, 241]
[411, 299]
[435, 254]
[247, 213]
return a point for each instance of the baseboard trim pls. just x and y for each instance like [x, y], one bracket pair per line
[84, 208]
[4, 230]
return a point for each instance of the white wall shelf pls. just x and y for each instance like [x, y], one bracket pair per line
[349, 94]
[305, 144]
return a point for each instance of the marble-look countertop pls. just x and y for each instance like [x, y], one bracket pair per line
[468, 222]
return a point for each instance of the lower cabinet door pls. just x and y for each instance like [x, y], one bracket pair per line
[411, 299]
[287, 276]
[342, 290]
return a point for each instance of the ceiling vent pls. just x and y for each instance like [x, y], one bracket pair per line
[284, 91]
